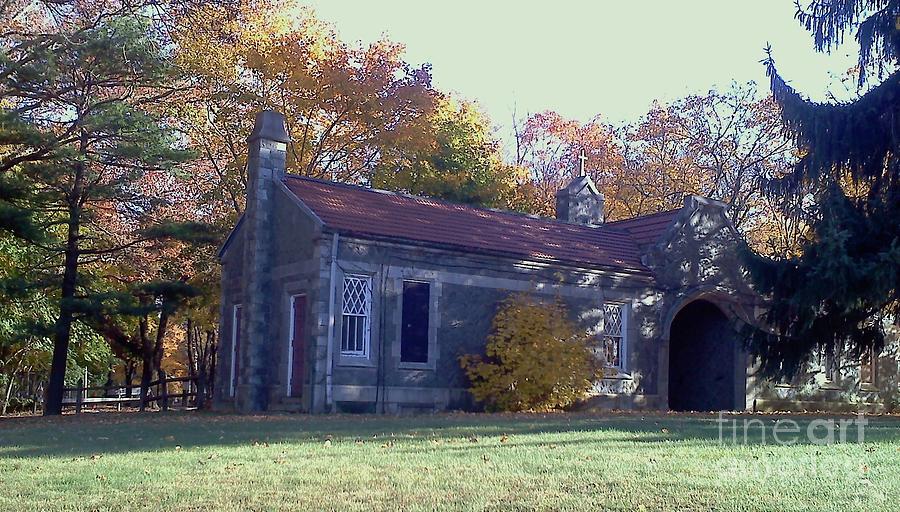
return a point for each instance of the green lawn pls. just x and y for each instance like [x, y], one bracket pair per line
[191, 461]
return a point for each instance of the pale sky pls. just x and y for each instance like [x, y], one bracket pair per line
[582, 58]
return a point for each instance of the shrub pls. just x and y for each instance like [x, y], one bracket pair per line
[536, 358]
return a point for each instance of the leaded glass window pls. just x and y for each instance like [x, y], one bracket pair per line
[357, 309]
[614, 334]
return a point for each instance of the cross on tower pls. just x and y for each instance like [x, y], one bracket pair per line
[583, 159]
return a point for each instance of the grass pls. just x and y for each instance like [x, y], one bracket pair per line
[194, 461]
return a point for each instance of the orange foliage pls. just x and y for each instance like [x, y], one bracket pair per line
[344, 104]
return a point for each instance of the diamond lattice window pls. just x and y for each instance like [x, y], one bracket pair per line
[357, 308]
[614, 334]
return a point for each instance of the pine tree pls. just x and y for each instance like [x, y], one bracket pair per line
[837, 295]
[81, 126]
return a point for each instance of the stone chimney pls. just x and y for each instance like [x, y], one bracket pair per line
[580, 203]
[267, 153]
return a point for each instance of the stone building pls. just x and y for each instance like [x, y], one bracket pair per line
[342, 298]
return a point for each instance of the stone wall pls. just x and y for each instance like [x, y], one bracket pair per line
[466, 290]
[845, 391]
[232, 262]
[698, 259]
[294, 269]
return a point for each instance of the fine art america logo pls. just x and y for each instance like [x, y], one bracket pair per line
[786, 432]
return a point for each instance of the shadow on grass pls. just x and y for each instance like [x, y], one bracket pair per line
[110, 433]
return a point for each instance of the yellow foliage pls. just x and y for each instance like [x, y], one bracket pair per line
[349, 107]
[536, 358]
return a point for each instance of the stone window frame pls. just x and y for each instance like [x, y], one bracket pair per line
[434, 293]
[872, 382]
[232, 378]
[830, 368]
[372, 271]
[621, 370]
[366, 351]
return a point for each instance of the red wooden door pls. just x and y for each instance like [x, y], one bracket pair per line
[298, 348]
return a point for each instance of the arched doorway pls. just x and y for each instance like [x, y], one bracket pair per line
[706, 367]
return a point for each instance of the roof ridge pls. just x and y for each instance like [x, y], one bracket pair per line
[512, 213]
[646, 216]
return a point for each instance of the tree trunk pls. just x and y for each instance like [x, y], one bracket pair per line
[146, 375]
[63, 328]
[202, 361]
[158, 353]
[164, 389]
[129, 377]
[192, 348]
[146, 361]
[213, 351]
[201, 389]
[9, 387]
[196, 363]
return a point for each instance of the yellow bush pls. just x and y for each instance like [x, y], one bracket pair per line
[536, 358]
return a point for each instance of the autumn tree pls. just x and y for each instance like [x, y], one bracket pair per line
[460, 161]
[549, 147]
[717, 145]
[349, 108]
[841, 289]
[81, 85]
[201, 325]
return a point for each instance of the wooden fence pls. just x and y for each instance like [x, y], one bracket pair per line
[158, 392]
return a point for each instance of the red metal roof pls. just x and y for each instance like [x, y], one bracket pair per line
[375, 213]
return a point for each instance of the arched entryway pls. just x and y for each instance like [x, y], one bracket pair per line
[707, 369]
